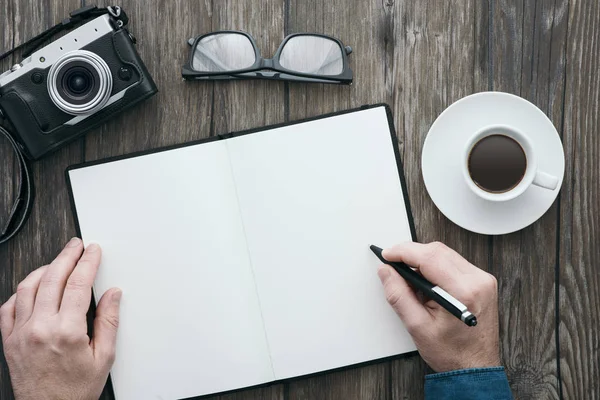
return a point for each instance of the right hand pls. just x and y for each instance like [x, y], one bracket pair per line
[445, 342]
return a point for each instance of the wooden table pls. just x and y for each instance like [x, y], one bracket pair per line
[418, 56]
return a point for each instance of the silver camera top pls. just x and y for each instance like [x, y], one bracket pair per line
[47, 56]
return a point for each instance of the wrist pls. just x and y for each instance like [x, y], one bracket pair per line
[464, 371]
[465, 363]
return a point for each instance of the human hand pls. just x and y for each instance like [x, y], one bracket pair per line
[44, 330]
[445, 342]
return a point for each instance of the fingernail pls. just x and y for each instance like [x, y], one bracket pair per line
[92, 248]
[117, 296]
[74, 242]
[385, 252]
[383, 273]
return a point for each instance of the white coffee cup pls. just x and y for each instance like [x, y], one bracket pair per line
[532, 176]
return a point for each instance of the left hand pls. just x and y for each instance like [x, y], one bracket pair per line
[44, 330]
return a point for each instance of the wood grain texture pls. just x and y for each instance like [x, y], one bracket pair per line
[419, 57]
[529, 61]
[181, 111]
[579, 253]
[440, 55]
[184, 111]
[50, 224]
[366, 27]
[438, 62]
[8, 171]
[372, 382]
[243, 105]
[363, 25]
[248, 104]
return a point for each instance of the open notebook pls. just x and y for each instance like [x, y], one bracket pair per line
[245, 259]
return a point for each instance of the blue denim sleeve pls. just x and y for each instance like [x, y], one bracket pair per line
[468, 384]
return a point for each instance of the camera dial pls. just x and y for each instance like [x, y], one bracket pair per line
[80, 83]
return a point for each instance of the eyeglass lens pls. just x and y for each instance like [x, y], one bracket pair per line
[314, 55]
[223, 52]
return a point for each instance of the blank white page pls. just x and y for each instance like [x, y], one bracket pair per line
[313, 197]
[173, 240]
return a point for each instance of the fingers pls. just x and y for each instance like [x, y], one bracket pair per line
[7, 317]
[435, 261]
[53, 282]
[77, 296]
[403, 299]
[446, 268]
[105, 327]
[26, 294]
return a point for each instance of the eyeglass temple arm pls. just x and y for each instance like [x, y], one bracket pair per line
[266, 74]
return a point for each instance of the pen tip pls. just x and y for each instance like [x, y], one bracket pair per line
[375, 249]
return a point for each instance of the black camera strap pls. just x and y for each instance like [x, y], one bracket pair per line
[25, 187]
[75, 17]
[25, 193]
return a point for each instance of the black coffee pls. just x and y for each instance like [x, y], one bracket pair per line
[497, 163]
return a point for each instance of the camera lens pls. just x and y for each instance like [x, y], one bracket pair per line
[77, 83]
[80, 83]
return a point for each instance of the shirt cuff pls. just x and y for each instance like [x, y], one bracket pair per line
[468, 384]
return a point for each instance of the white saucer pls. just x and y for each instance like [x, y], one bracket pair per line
[443, 153]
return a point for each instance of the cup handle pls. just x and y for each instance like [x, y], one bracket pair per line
[545, 180]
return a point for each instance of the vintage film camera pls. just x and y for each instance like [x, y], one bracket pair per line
[74, 84]
[60, 91]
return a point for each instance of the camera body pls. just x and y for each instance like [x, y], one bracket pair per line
[73, 85]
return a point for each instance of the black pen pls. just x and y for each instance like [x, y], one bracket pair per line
[436, 293]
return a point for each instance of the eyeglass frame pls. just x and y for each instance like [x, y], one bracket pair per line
[269, 64]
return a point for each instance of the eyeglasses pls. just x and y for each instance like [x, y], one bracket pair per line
[227, 55]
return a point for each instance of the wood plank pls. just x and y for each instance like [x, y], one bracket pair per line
[181, 111]
[579, 252]
[437, 64]
[50, 224]
[8, 172]
[185, 111]
[266, 393]
[441, 55]
[242, 105]
[419, 57]
[372, 382]
[366, 26]
[8, 167]
[529, 60]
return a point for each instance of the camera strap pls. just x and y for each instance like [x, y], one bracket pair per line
[25, 186]
[25, 193]
[75, 17]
